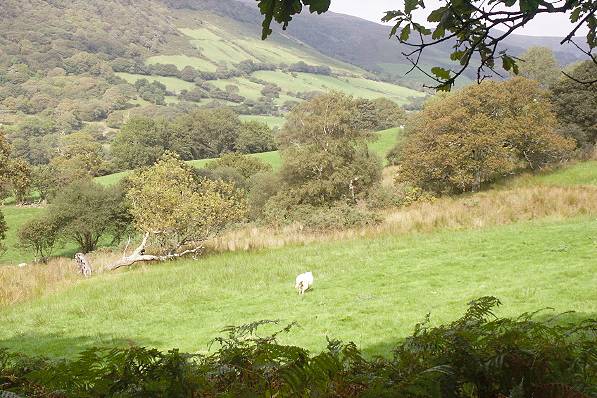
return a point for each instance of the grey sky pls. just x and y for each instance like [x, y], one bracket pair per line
[373, 10]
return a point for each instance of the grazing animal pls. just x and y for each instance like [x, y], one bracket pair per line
[84, 266]
[303, 282]
[22, 265]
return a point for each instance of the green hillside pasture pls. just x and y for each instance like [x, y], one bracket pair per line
[358, 87]
[232, 45]
[15, 217]
[271, 121]
[172, 83]
[581, 173]
[385, 142]
[183, 60]
[247, 88]
[370, 290]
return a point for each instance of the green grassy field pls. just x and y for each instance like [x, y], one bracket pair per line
[370, 291]
[271, 121]
[358, 87]
[581, 173]
[172, 83]
[183, 60]
[15, 217]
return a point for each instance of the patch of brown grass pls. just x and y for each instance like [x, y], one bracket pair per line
[34, 280]
[480, 210]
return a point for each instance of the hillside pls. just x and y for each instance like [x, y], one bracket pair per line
[71, 73]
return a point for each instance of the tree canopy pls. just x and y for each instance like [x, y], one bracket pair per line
[576, 104]
[470, 26]
[176, 209]
[479, 134]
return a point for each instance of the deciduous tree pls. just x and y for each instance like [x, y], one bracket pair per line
[325, 155]
[86, 212]
[19, 178]
[39, 235]
[539, 63]
[479, 134]
[176, 212]
[576, 104]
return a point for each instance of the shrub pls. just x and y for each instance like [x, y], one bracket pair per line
[39, 236]
[245, 165]
[262, 186]
[281, 211]
[255, 137]
[481, 133]
[478, 355]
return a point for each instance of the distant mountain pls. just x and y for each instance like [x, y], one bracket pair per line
[366, 44]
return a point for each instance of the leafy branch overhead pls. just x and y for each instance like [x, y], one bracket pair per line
[282, 11]
[473, 28]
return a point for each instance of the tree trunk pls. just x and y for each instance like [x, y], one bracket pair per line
[83, 263]
[139, 255]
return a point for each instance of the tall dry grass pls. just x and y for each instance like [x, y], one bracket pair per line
[480, 210]
[34, 280]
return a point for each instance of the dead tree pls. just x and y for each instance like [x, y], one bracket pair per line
[139, 255]
[83, 263]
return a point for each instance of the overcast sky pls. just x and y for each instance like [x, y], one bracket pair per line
[373, 10]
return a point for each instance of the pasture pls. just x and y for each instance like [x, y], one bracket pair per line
[15, 217]
[370, 290]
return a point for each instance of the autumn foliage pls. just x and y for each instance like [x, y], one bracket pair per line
[479, 134]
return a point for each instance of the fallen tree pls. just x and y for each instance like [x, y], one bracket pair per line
[138, 255]
[176, 211]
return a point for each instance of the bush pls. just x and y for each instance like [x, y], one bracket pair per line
[281, 211]
[245, 165]
[39, 236]
[478, 355]
[262, 186]
[383, 197]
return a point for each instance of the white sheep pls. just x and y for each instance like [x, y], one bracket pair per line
[303, 282]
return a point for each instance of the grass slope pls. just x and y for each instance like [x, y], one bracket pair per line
[271, 121]
[15, 217]
[220, 44]
[371, 290]
[581, 173]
